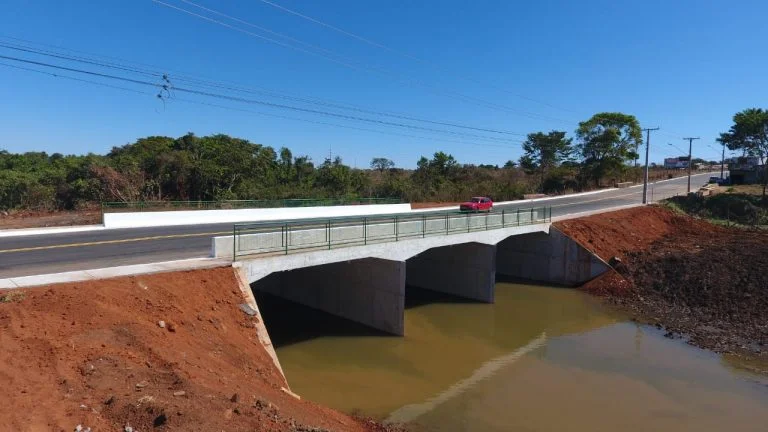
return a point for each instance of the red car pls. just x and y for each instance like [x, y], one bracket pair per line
[477, 204]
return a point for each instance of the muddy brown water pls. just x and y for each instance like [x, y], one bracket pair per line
[540, 358]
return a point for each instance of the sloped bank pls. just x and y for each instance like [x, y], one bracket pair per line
[96, 354]
[704, 282]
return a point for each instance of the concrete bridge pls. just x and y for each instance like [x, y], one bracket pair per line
[359, 268]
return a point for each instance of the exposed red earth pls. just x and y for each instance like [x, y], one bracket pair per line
[95, 354]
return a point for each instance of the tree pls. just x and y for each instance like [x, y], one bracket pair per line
[381, 164]
[749, 133]
[606, 142]
[543, 152]
[510, 164]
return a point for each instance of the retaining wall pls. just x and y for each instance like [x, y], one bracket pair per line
[195, 217]
[550, 258]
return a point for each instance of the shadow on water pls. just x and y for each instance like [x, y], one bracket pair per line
[290, 323]
[416, 297]
[500, 278]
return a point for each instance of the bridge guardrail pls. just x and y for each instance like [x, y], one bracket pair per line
[283, 237]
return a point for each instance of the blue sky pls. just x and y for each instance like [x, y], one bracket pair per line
[686, 66]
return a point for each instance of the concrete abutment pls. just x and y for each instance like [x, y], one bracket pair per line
[369, 291]
[550, 258]
[465, 270]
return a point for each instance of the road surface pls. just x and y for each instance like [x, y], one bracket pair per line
[54, 253]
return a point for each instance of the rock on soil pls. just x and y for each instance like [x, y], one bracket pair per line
[704, 282]
[98, 344]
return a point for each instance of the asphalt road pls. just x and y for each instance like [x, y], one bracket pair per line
[53, 253]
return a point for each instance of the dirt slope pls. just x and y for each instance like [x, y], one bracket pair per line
[94, 354]
[700, 280]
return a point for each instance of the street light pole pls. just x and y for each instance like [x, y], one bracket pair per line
[645, 176]
[690, 160]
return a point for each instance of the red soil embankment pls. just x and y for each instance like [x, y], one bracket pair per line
[694, 278]
[93, 354]
[37, 219]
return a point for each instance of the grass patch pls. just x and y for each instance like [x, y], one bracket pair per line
[723, 209]
[12, 297]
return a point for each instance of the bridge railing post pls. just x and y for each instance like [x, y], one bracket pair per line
[467, 222]
[531, 221]
[234, 242]
[518, 217]
[502, 219]
[423, 226]
[287, 237]
[397, 228]
[329, 234]
[365, 230]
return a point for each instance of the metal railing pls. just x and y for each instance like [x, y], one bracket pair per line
[141, 206]
[284, 237]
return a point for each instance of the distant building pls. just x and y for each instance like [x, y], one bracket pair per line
[745, 170]
[679, 162]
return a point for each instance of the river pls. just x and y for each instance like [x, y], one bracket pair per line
[540, 358]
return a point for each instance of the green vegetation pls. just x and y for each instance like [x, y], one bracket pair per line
[544, 155]
[607, 142]
[749, 133]
[220, 167]
[724, 208]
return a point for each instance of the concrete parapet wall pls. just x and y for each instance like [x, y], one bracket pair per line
[320, 235]
[369, 291]
[193, 217]
[553, 258]
[465, 270]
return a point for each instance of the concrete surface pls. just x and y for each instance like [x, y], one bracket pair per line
[261, 328]
[200, 217]
[369, 291]
[554, 259]
[112, 272]
[465, 270]
[259, 268]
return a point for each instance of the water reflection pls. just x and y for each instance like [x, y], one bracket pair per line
[539, 359]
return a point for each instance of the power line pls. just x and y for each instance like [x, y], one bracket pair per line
[245, 100]
[245, 90]
[190, 101]
[400, 53]
[380, 71]
[55, 75]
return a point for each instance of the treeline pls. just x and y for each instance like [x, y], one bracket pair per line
[220, 167]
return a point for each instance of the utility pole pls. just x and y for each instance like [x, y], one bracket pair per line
[722, 164]
[690, 160]
[647, 148]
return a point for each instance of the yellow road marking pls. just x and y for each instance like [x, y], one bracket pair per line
[130, 240]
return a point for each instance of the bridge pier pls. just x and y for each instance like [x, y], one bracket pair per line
[465, 270]
[370, 291]
[550, 258]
